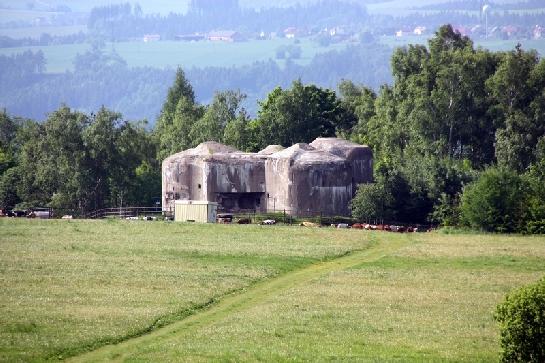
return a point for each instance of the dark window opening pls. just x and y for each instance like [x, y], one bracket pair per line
[199, 186]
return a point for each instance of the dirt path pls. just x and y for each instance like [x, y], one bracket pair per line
[235, 303]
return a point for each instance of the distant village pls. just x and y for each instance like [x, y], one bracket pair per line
[340, 33]
[230, 36]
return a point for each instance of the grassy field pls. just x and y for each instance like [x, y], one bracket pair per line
[420, 298]
[171, 54]
[252, 293]
[68, 286]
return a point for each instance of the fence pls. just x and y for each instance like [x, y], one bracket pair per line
[251, 216]
[126, 212]
[289, 217]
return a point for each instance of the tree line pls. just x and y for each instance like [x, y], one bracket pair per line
[458, 139]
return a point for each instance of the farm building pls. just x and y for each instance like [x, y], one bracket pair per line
[225, 36]
[320, 177]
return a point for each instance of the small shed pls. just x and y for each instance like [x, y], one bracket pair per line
[195, 211]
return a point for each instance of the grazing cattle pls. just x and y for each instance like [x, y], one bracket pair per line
[342, 225]
[244, 221]
[269, 222]
[224, 218]
[67, 216]
[357, 226]
[309, 224]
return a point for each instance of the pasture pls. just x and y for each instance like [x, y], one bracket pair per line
[171, 292]
[164, 54]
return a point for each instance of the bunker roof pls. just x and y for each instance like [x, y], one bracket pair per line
[339, 147]
[304, 154]
[271, 149]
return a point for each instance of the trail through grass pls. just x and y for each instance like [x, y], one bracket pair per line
[230, 305]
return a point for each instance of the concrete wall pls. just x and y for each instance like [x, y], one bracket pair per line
[320, 177]
[360, 156]
[304, 180]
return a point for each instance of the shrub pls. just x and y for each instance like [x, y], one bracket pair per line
[495, 202]
[522, 324]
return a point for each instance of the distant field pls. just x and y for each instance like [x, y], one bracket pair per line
[253, 293]
[399, 7]
[493, 44]
[14, 15]
[171, 54]
[497, 45]
[36, 32]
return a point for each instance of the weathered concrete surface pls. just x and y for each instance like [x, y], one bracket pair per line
[302, 179]
[361, 156]
[316, 178]
[215, 173]
[271, 149]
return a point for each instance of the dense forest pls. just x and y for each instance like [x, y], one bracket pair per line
[458, 139]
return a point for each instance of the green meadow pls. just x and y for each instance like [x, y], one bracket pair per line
[158, 291]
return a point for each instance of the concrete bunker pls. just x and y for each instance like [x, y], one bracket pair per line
[320, 177]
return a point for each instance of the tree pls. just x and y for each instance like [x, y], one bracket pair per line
[518, 90]
[76, 163]
[521, 317]
[8, 188]
[54, 162]
[535, 178]
[225, 108]
[360, 101]
[301, 114]
[370, 202]
[238, 133]
[495, 202]
[178, 115]
[99, 140]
